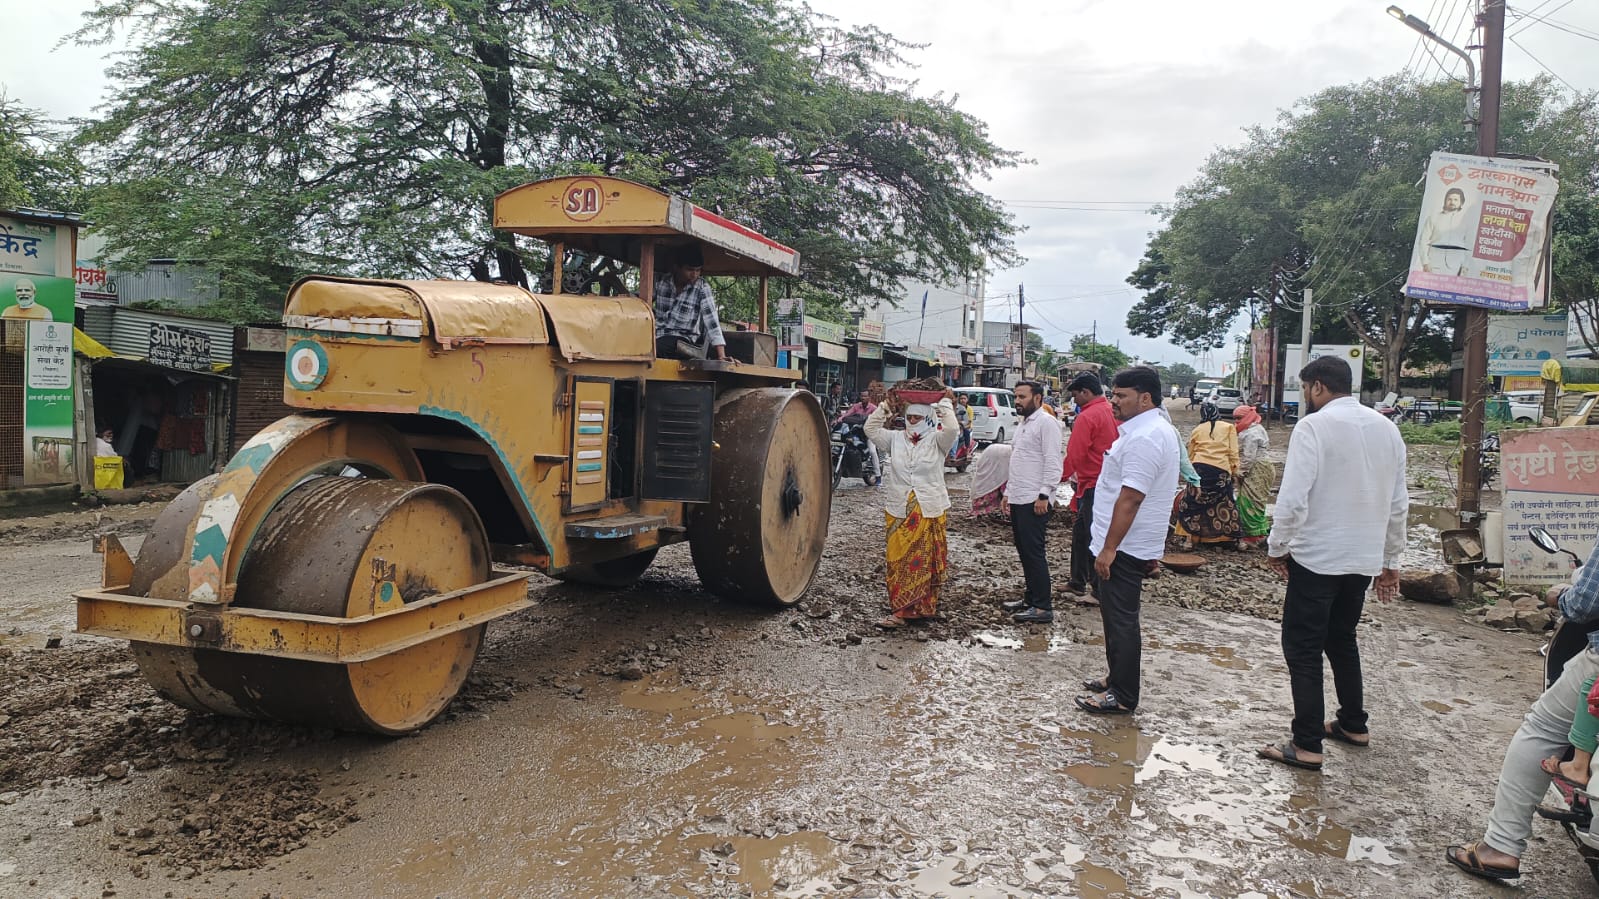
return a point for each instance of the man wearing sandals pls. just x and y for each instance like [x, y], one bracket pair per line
[1127, 533]
[1340, 519]
[1545, 732]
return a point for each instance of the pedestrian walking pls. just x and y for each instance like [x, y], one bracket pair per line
[1093, 432]
[1128, 532]
[1340, 519]
[914, 503]
[1035, 467]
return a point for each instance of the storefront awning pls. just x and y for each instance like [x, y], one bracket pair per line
[123, 362]
[84, 345]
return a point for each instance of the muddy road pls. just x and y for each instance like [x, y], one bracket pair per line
[661, 743]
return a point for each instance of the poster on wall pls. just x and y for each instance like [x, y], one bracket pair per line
[1483, 230]
[47, 404]
[1551, 479]
[1353, 354]
[27, 247]
[37, 314]
[1521, 344]
[36, 298]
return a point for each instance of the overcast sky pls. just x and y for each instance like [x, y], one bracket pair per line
[1118, 102]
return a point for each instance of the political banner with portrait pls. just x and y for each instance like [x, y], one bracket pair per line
[42, 298]
[1483, 232]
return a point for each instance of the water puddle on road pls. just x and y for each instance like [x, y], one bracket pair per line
[1095, 882]
[802, 863]
[1052, 641]
[1220, 656]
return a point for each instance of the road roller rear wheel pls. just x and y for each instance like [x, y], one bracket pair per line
[760, 538]
[341, 547]
[614, 574]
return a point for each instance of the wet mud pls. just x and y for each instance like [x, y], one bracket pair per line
[658, 742]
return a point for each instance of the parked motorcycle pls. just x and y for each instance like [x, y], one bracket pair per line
[1569, 639]
[852, 455]
[1488, 460]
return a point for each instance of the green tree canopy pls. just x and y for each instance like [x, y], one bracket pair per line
[272, 137]
[35, 170]
[1084, 349]
[1327, 199]
[1180, 373]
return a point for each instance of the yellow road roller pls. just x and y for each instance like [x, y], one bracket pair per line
[340, 570]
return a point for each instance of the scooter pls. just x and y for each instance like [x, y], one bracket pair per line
[852, 456]
[960, 456]
[1569, 639]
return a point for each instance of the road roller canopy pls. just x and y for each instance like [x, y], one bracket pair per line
[613, 217]
[475, 312]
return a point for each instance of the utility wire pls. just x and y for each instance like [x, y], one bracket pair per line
[1544, 66]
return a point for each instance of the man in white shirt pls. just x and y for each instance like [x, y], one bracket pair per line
[1035, 465]
[1340, 519]
[1128, 533]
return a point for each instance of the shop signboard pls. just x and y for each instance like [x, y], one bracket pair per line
[47, 403]
[1551, 479]
[1482, 234]
[820, 329]
[37, 315]
[868, 350]
[1353, 354]
[948, 356]
[27, 247]
[94, 282]
[176, 347]
[870, 329]
[789, 323]
[835, 352]
[1521, 344]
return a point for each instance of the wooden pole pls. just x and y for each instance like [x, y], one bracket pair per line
[646, 271]
[558, 251]
[760, 324]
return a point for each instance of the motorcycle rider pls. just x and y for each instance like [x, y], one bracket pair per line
[1544, 732]
[856, 415]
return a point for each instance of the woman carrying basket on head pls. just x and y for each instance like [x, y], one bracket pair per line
[915, 502]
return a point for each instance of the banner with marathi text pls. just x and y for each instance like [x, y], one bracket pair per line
[37, 314]
[1482, 234]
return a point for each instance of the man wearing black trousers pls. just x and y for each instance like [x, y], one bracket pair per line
[1129, 532]
[1340, 519]
[1035, 466]
[1092, 434]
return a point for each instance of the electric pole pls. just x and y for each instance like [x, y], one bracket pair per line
[1021, 323]
[1304, 344]
[1475, 319]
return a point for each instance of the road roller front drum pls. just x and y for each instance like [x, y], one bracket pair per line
[340, 547]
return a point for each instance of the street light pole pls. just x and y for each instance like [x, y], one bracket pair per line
[1473, 321]
[1475, 363]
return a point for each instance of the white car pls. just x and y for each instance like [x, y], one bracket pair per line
[1526, 406]
[994, 416]
[1225, 399]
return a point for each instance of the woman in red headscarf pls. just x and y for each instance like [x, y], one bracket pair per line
[1258, 474]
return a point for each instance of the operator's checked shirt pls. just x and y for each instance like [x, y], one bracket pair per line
[689, 314]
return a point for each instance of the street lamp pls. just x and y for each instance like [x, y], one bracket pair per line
[1425, 30]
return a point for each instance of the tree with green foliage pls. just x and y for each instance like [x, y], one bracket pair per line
[35, 169]
[1085, 349]
[369, 137]
[1327, 199]
[1180, 373]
